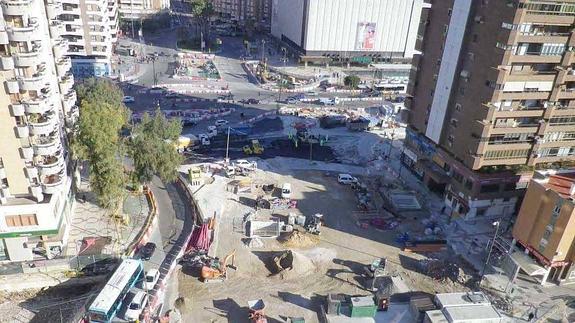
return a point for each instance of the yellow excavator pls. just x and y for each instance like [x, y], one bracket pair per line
[254, 149]
[217, 270]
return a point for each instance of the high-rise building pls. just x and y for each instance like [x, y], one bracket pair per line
[137, 9]
[241, 12]
[345, 32]
[545, 228]
[90, 26]
[491, 98]
[38, 104]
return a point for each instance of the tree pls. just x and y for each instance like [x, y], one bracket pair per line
[152, 149]
[97, 138]
[352, 81]
[203, 10]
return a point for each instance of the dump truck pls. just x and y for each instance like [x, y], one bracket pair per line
[254, 149]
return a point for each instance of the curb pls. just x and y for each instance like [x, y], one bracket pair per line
[151, 221]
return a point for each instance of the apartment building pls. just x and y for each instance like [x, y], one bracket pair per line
[90, 27]
[258, 12]
[38, 106]
[492, 97]
[137, 9]
[545, 228]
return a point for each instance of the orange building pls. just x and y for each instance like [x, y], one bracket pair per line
[545, 227]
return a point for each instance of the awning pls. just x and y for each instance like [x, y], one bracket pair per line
[528, 264]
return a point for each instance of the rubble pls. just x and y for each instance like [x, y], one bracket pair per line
[255, 242]
[291, 264]
[298, 239]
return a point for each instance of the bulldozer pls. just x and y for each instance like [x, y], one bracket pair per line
[217, 270]
[254, 149]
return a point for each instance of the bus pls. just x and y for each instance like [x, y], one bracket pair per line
[109, 300]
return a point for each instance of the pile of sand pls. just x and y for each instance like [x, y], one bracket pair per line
[291, 264]
[298, 239]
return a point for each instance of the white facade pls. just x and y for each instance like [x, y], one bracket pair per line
[90, 27]
[349, 25]
[453, 43]
[39, 108]
[136, 9]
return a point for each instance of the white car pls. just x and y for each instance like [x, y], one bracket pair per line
[311, 93]
[246, 164]
[221, 123]
[204, 139]
[212, 131]
[286, 191]
[292, 101]
[128, 99]
[139, 301]
[346, 179]
[150, 279]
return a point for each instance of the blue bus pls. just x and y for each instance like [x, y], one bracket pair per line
[109, 300]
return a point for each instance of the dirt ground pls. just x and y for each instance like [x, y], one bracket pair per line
[337, 261]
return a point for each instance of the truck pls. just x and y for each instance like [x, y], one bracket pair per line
[358, 124]
[189, 142]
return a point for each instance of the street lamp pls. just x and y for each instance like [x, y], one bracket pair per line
[496, 224]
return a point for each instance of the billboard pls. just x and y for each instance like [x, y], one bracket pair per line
[365, 36]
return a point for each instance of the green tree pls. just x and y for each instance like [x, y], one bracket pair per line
[351, 81]
[203, 10]
[97, 140]
[151, 148]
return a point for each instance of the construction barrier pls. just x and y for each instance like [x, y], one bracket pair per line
[146, 231]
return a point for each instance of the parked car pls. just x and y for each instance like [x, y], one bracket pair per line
[311, 93]
[150, 279]
[137, 304]
[251, 101]
[170, 95]
[286, 191]
[221, 123]
[246, 164]
[212, 131]
[326, 101]
[291, 101]
[101, 267]
[346, 179]
[128, 99]
[147, 251]
[204, 139]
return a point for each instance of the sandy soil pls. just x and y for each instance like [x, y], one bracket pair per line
[338, 259]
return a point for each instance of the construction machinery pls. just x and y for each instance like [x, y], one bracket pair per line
[216, 270]
[254, 149]
[314, 223]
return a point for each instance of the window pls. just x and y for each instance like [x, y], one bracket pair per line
[542, 244]
[481, 211]
[21, 220]
[507, 25]
[458, 177]
[506, 154]
[449, 11]
[468, 184]
[453, 123]
[489, 188]
[457, 107]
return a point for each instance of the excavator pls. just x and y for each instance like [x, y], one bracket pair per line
[217, 270]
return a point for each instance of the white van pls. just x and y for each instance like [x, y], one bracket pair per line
[136, 306]
[346, 179]
[286, 191]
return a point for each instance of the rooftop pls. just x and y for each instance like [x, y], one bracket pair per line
[560, 182]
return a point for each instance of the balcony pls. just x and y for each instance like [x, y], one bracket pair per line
[27, 153]
[57, 28]
[4, 36]
[6, 63]
[31, 58]
[2, 170]
[31, 171]
[54, 9]
[38, 105]
[36, 190]
[72, 116]
[51, 165]
[22, 131]
[12, 86]
[35, 82]
[16, 7]
[17, 110]
[66, 83]
[60, 47]
[54, 183]
[69, 100]
[48, 145]
[26, 33]
[63, 65]
[536, 58]
[43, 125]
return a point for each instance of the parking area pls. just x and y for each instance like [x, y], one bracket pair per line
[331, 262]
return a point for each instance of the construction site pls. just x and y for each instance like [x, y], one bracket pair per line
[281, 235]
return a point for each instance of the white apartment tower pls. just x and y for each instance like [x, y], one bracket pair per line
[137, 9]
[90, 27]
[37, 105]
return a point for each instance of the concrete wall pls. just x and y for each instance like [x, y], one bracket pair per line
[287, 17]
